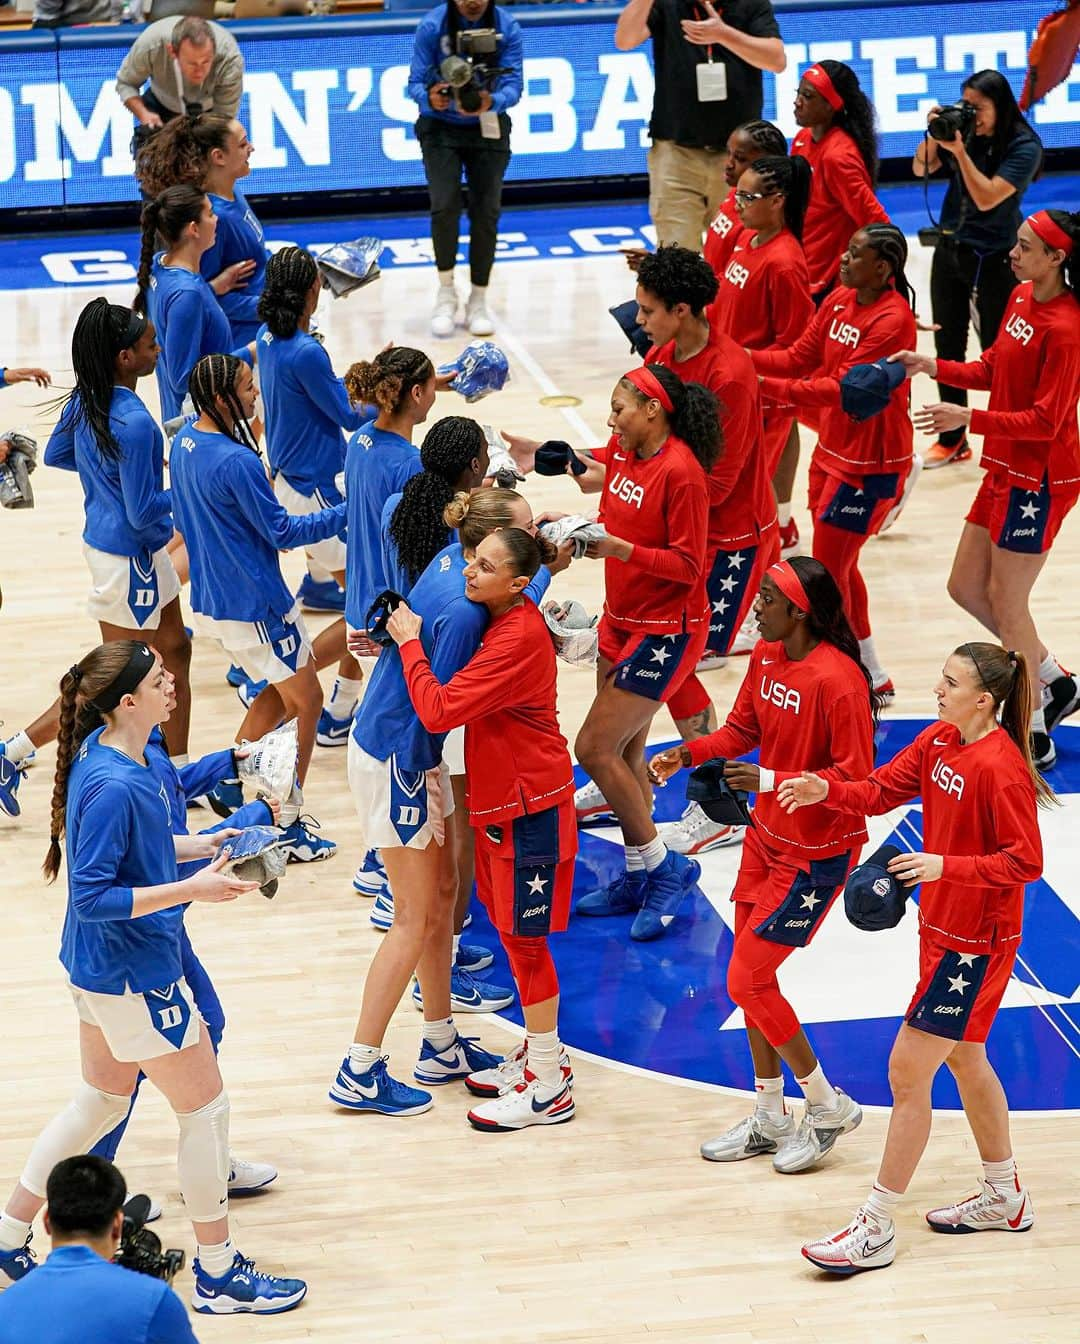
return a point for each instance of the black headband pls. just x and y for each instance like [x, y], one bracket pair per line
[126, 680]
[136, 325]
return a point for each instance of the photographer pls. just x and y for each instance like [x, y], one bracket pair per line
[77, 1296]
[463, 126]
[991, 155]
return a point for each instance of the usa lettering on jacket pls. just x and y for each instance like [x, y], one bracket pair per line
[947, 779]
[843, 333]
[776, 693]
[722, 226]
[1018, 329]
[622, 487]
[736, 275]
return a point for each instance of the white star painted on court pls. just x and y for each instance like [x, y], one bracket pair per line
[957, 984]
[728, 584]
[537, 885]
[966, 958]
[810, 900]
[721, 606]
[736, 561]
[661, 656]
[1029, 510]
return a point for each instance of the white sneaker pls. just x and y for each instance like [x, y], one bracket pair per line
[506, 1076]
[866, 1243]
[820, 1128]
[531, 1102]
[477, 317]
[444, 314]
[591, 806]
[748, 636]
[988, 1211]
[712, 662]
[909, 485]
[247, 1177]
[696, 833]
[759, 1133]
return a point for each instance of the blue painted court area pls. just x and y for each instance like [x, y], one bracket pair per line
[663, 1006]
[103, 258]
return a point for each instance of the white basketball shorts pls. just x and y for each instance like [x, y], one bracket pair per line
[130, 591]
[139, 1026]
[329, 553]
[399, 809]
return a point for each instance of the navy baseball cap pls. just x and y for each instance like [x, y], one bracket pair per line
[379, 613]
[626, 316]
[719, 801]
[866, 388]
[873, 898]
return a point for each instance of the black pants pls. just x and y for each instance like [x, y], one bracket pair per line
[957, 272]
[449, 151]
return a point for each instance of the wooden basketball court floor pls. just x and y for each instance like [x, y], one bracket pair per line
[607, 1229]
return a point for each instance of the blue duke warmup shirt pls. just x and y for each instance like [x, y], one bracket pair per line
[377, 465]
[306, 407]
[75, 1297]
[234, 527]
[431, 46]
[119, 837]
[239, 237]
[128, 510]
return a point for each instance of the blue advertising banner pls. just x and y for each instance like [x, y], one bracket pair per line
[326, 107]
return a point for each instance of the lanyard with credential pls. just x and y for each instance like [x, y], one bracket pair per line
[711, 76]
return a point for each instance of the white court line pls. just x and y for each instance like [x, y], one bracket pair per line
[586, 436]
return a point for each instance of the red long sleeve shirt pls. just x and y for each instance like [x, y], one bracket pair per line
[516, 759]
[816, 709]
[842, 201]
[741, 501]
[660, 505]
[979, 812]
[764, 296]
[1032, 371]
[721, 234]
[842, 334]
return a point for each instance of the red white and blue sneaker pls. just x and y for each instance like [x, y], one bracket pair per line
[370, 878]
[506, 1076]
[331, 732]
[866, 1243]
[591, 807]
[531, 1102]
[325, 596]
[471, 957]
[10, 779]
[382, 910]
[245, 1288]
[1060, 698]
[302, 845]
[469, 995]
[457, 1061]
[987, 1211]
[15, 1265]
[376, 1091]
[665, 890]
[696, 833]
[623, 896]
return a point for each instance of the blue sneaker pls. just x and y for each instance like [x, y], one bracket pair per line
[236, 676]
[370, 878]
[302, 844]
[375, 1090]
[472, 958]
[621, 897]
[468, 995]
[15, 1265]
[227, 797]
[465, 1056]
[331, 732]
[382, 912]
[244, 1288]
[325, 596]
[665, 888]
[10, 779]
[249, 690]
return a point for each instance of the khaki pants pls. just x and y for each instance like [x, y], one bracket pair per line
[686, 187]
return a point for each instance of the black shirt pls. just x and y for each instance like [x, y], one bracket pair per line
[677, 114]
[990, 230]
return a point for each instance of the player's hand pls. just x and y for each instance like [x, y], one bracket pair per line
[361, 645]
[274, 804]
[702, 32]
[802, 792]
[940, 416]
[609, 548]
[913, 868]
[232, 277]
[439, 97]
[915, 363]
[549, 516]
[443, 380]
[214, 885]
[667, 763]
[42, 377]
[5, 448]
[742, 775]
[403, 625]
[563, 559]
[522, 450]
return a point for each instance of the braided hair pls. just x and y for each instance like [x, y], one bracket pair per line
[79, 716]
[450, 449]
[1070, 267]
[180, 152]
[165, 217]
[1004, 673]
[789, 176]
[827, 620]
[388, 379]
[766, 137]
[891, 246]
[290, 274]
[856, 117]
[102, 331]
[214, 377]
[695, 417]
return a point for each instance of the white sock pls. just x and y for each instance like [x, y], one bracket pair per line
[869, 657]
[1001, 1176]
[1050, 669]
[362, 1057]
[441, 1033]
[343, 697]
[446, 279]
[216, 1260]
[882, 1201]
[1038, 720]
[634, 862]
[478, 294]
[783, 513]
[817, 1089]
[455, 947]
[13, 1233]
[543, 1053]
[770, 1097]
[653, 854]
[181, 760]
[17, 748]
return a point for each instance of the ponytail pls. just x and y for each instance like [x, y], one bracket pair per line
[694, 417]
[856, 116]
[1069, 221]
[290, 274]
[1005, 675]
[789, 176]
[417, 527]
[388, 379]
[165, 218]
[891, 246]
[180, 152]
[525, 552]
[827, 620]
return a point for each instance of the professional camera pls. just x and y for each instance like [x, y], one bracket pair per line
[140, 1249]
[957, 119]
[468, 72]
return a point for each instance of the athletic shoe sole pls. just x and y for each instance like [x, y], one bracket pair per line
[223, 1306]
[595, 816]
[238, 1192]
[335, 740]
[490, 1127]
[311, 855]
[351, 1104]
[845, 1271]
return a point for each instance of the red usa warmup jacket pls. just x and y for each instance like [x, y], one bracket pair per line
[842, 201]
[516, 759]
[764, 297]
[1032, 371]
[721, 234]
[842, 334]
[979, 812]
[814, 709]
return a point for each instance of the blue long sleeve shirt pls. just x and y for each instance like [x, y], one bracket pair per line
[377, 465]
[234, 527]
[128, 509]
[431, 46]
[239, 237]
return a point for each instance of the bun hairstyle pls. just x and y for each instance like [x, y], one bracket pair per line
[1070, 267]
[789, 175]
[165, 218]
[1004, 673]
[827, 620]
[180, 152]
[476, 514]
[524, 552]
[448, 452]
[695, 414]
[856, 117]
[290, 274]
[389, 378]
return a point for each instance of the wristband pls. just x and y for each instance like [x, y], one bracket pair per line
[766, 780]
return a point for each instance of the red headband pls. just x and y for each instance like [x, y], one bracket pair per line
[821, 83]
[1053, 235]
[789, 584]
[646, 381]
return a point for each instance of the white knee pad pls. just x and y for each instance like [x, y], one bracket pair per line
[88, 1117]
[202, 1160]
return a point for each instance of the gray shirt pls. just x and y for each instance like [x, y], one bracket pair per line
[150, 59]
